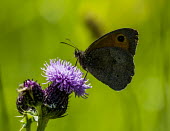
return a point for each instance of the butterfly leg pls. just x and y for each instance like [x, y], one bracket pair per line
[86, 75]
[76, 63]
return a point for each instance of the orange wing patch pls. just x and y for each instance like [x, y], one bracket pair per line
[110, 40]
[121, 41]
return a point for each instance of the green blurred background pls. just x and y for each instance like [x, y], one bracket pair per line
[31, 32]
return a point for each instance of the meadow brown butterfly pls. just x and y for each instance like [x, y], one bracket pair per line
[110, 58]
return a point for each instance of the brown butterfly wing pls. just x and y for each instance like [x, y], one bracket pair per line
[112, 66]
[110, 40]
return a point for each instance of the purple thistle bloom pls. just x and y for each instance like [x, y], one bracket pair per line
[65, 77]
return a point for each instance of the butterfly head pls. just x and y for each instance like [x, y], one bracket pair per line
[78, 54]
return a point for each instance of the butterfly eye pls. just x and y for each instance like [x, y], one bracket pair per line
[121, 38]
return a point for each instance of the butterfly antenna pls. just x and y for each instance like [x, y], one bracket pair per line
[69, 45]
[70, 41]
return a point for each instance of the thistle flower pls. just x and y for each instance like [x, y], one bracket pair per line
[30, 96]
[65, 77]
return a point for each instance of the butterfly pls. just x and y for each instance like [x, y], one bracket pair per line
[110, 58]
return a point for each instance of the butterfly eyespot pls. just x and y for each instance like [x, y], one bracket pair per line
[121, 38]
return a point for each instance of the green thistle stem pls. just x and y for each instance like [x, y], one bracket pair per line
[28, 127]
[42, 123]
